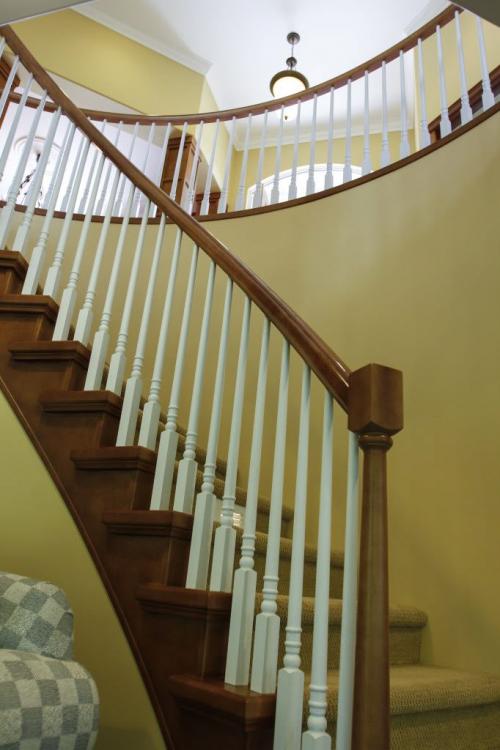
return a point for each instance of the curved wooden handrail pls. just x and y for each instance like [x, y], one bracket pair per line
[322, 360]
[354, 74]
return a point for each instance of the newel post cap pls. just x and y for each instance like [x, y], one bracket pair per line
[376, 400]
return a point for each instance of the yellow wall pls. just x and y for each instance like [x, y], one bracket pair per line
[92, 55]
[38, 538]
[404, 271]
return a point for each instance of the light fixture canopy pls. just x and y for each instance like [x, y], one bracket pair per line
[289, 81]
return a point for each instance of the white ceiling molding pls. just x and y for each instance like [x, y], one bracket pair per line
[189, 60]
[21, 10]
[429, 11]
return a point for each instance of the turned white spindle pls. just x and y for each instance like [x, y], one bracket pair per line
[385, 156]
[53, 278]
[445, 126]
[164, 150]
[208, 182]
[292, 188]
[275, 192]
[188, 465]
[349, 603]
[86, 315]
[37, 260]
[139, 199]
[465, 108]
[404, 146]
[425, 137]
[104, 189]
[178, 162]
[290, 690]
[133, 388]
[47, 197]
[117, 363]
[240, 195]
[221, 576]
[119, 205]
[488, 98]
[245, 579]
[222, 205]
[13, 190]
[36, 184]
[8, 85]
[191, 191]
[151, 411]
[7, 147]
[366, 167]
[167, 450]
[68, 299]
[257, 198]
[310, 188]
[206, 502]
[267, 622]
[329, 149]
[347, 172]
[83, 202]
[316, 736]
[70, 184]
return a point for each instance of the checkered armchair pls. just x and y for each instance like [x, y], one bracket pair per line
[47, 701]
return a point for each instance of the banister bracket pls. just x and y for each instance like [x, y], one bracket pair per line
[376, 400]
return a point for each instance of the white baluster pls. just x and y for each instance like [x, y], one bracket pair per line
[221, 576]
[167, 451]
[178, 162]
[329, 154]
[488, 97]
[191, 192]
[385, 156]
[316, 737]
[227, 170]
[8, 85]
[68, 299]
[347, 172]
[151, 410]
[133, 389]
[257, 198]
[14, 125]
[465, 109]
[70, 186]
[404, 147]
[349, 603]
[188, 466]
[54, 273]
[290, 692]
[86, 191]
[275, 192]
[139, 199]
[245, 579]
[445, 126]
[425, 137]
[201, 539]
[86, 314]
[208, 182]
[292, 188]
[240, 195]
[12, 192]
[310, 188]
[36, 184]
[367, 162]
[46, 199]
[267, 622]
[164, 149]
[110, 168]
[118, 206]
[39, 251]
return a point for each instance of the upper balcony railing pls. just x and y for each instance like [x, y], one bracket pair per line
[368, 119]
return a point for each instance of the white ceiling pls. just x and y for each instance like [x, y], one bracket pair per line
[240, 44]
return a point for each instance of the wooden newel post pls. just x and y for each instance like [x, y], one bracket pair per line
[375, 413]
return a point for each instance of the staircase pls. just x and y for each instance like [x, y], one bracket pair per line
[129, 476]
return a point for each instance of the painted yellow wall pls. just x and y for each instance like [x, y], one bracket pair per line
[405, 271]
[38, 538]
[92, 55]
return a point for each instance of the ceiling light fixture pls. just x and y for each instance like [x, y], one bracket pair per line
[289, 81]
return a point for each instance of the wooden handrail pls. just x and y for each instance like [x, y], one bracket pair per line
[354, 74]
[327, 365]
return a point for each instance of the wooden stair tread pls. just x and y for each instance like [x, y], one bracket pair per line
[215, 694]
[146, 522]
[159, 597]
[81, 401]
[50, 351]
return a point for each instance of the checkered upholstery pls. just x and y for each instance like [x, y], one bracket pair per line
[47, 702]
[35, 616]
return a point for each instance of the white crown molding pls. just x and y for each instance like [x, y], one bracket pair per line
[189, 60]
[428, 12]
